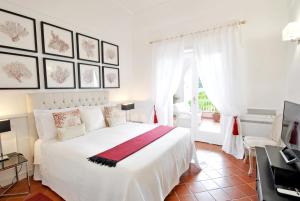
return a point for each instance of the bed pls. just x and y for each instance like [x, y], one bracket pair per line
[148, 175]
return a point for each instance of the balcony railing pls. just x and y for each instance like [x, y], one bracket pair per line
[204, 103]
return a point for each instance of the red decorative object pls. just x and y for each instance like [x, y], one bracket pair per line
[112, 156]
[294, 134]
[39, 197]
[155, 116]
[235, 130]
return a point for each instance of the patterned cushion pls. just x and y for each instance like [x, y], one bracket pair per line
[114, 116]
[71, 132]
[67, 119]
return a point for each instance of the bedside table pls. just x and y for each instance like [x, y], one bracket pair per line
[15, 160]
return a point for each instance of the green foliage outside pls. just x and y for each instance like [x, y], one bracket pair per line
[204, 103]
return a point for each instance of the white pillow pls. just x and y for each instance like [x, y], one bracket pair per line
[116, 117]
[92, 117]
[67, 133]
[44, 123]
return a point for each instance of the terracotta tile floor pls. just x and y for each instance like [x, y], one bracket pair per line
[221, 178]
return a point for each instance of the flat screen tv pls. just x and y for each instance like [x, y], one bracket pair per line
[290, 132]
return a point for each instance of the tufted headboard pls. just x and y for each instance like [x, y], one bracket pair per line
[59, 100]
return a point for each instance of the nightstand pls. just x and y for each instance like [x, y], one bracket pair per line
[16, 161]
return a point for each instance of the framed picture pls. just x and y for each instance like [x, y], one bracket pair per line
[89, 76]
[110, 53]
[110, 77]
[87, 48]
[59, 74]
[18, 71]
[57, 41]
[17, 31]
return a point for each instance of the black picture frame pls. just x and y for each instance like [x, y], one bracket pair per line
[78, 47]
[34, 33]
[79, 76]
[43, 39]
[103, 53]
[103, 77]
[45, 73]
[37, 72]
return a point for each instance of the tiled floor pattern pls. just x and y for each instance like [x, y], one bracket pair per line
[221, 178]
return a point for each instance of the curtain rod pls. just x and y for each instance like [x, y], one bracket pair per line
[242, 22]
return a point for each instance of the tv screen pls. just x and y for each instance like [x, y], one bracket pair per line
[290, 125]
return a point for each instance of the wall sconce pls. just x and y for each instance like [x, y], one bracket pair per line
[291, 32]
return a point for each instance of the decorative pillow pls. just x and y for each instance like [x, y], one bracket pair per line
[67, 119]
[114, 116]
[71, 132]
[92, 117]
[44, 123]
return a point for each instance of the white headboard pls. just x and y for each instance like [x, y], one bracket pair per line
[59, 100]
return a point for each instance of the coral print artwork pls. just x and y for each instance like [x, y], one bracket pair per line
[87, 48]
[110, 53]
[111, 77]
[89, 76]
[17, 31]
[13, 30]
[18, 71]
[59, 74]
[57, 44]
[57, 41]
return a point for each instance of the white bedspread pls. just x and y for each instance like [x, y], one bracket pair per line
[148, 175]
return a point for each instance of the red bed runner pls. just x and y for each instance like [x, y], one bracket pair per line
[112, 156]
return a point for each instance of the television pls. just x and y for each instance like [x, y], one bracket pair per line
[290, 132]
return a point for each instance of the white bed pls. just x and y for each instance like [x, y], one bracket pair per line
[147, 175]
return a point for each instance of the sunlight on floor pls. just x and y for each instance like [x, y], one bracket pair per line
[208, 125]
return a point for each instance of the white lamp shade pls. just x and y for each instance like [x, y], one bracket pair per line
[291, 32]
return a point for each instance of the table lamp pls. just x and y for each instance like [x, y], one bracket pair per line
[4, 127]
[126, 107]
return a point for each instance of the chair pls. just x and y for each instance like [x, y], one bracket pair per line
[183, 115]
[250, 142]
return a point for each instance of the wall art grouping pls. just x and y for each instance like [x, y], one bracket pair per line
[18, 71]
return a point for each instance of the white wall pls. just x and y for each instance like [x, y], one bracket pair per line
[293, 81]
[101, 19]
[266, 53]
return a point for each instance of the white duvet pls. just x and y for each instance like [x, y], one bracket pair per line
[147, 175]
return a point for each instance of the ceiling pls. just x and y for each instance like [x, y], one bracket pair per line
[136, 6]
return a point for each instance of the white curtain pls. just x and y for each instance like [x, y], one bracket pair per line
[220, 66]
[168, 64]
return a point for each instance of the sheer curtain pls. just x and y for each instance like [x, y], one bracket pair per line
[220, 66]
[168, 64]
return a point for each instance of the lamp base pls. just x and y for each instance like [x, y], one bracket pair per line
[3, 158]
